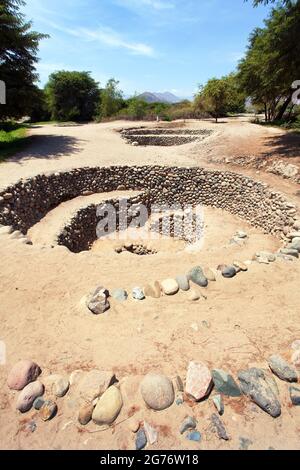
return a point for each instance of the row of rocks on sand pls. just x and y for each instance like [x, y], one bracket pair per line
[98, 300]
[101, 399]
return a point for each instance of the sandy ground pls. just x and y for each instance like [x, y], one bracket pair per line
[239, 324]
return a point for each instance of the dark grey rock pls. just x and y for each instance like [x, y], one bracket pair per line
[219, 427]
[282, 369]
[225, 383]
[229, 272]
[295, 395]
[196, 275]
[38, 403]
[187, 424]
[261, 388]
[140, 440]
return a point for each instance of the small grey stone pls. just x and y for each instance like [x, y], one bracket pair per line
[187, 424]
[219, 404]
[120, 295]
[140, 440]
[229, 272]
[183, 282]
[38, 403]
[138, 294]
[219, 427]
[194, 436]
[196, 275]
[295, 395]
[282, 369]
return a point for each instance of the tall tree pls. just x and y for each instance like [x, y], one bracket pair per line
[111, 99]
[220, 96]
[272, 61]
[18, 57]
[72, 96]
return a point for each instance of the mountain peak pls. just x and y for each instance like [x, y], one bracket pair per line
[166, 97]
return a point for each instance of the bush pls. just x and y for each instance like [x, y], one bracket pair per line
[72, 96]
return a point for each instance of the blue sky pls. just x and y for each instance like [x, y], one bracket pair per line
[149, 45]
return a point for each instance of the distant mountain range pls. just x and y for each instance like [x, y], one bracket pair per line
[166, 97]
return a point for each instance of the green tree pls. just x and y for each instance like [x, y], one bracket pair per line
[220, 96]
[272, 61]
[39, 108]
[72, 96]
[137, 109]
[18, 57]
[111, 99]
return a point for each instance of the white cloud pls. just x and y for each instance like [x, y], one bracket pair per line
[106, 36]
[113, 39]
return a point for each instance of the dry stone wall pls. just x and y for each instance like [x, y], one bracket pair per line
[25, 203]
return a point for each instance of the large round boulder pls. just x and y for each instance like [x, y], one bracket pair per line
[157, 391]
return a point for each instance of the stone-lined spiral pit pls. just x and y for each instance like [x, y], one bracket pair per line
[163, 137]
[28, 201]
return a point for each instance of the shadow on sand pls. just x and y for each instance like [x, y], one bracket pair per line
[285, 145]
[48, 146]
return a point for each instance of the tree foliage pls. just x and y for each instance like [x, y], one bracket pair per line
[220, 96]
[272, 61]
[18, 57]
[111, 99]
[282, 2]
[72, 96]
[137, 108]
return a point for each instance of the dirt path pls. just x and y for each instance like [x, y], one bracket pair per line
[234, 141]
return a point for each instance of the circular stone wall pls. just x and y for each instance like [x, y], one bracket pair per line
[25, 203]
[163, 137]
